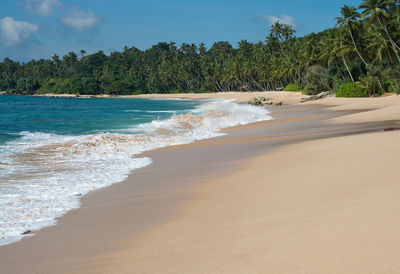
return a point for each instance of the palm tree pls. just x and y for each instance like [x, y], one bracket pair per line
[348, 20]
[377, 11]
[345, 50]
[379, 45]
[334, 47]
[82, 52]
[395, 8]
[283, 33]
[287, 32]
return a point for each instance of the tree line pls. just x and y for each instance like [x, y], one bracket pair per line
[363, 48]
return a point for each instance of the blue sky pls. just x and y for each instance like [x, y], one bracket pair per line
[39, 28]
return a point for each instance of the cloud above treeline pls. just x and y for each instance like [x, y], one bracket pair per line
[81, 20]
[14, 32]
[42, 7]
[283, 19]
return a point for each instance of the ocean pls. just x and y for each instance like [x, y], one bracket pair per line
[53, 151]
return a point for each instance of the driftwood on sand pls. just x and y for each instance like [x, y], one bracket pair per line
[316, 97]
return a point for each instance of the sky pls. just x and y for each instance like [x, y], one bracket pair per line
[33, 29]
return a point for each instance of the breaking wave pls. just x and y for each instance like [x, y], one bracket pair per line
[42, 176]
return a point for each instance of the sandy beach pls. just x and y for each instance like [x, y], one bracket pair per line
[296, 210]
[313, 191]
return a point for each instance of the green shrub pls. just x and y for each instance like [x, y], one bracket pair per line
[315, 81]
[82, 85]
[392, 86]
[338, 82]
[371, 84]
[28, 84]
[351, 90]
[293, 87]
[310, 89]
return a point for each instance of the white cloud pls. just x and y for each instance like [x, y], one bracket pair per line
[283, 19]
[41, 7]
[13, 32]
[81, 20]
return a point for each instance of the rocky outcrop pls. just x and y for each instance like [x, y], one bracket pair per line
[260, 101]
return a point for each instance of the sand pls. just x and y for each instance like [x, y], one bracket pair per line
[306, 208]
[313, 191]
[239, 97]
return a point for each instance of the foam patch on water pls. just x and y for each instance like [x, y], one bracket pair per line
[42, 176]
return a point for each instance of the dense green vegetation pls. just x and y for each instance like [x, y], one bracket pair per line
[351, 90]
[292, 87]
[363, 48]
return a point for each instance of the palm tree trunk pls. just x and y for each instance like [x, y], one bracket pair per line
[394, 45]
[287, 58]
[355, 46]
[337, 67]
[347, 67]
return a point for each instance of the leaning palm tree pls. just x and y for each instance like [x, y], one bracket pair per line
[334, 47]
[377, 11]
[277, 32]
[380, 46]
[283, 33]
[348, 20]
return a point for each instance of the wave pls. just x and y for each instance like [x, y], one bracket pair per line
[42, 176]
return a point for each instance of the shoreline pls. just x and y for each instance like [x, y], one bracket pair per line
[62, 95]
[308, 121]
[109, 149]
[383, 108]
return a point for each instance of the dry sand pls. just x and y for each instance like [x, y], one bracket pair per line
[272, 197]
[239, 97]
[325, 206]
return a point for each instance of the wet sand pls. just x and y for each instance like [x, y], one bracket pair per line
[180, 213]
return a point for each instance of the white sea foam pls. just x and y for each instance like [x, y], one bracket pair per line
[43, 175]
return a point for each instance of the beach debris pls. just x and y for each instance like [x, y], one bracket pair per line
[316, 97]
[26, 232]
[77, 194]
[279, 103]
[391, 129]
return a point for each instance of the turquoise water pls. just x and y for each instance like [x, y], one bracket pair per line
[55, 150]
[81, 115]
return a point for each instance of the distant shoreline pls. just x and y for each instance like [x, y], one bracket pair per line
[63, 95]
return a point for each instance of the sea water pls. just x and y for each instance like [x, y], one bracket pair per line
[55, 150]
